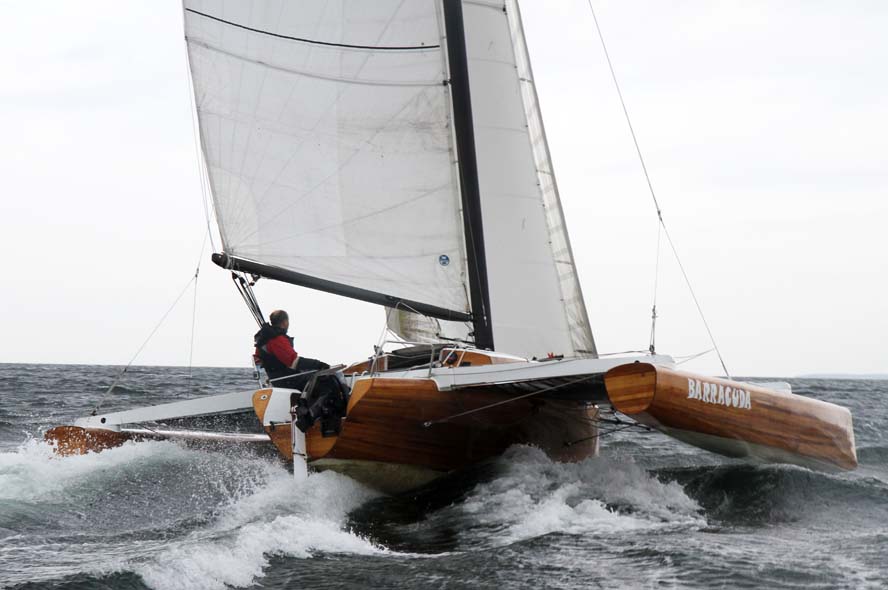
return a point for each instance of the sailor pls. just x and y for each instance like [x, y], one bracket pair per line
[275, 352]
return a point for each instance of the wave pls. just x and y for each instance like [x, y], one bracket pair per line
[179, 518]
[525, 495]
[876, 456]
[768, 494]
[280, 519]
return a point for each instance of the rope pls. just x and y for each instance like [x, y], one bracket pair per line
[511, 399]
[653, 194]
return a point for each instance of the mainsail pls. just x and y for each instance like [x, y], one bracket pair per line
[351, 148]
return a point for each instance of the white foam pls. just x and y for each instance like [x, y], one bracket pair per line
[280, 518]
[266, 512]
[35, 472]
[536, 496]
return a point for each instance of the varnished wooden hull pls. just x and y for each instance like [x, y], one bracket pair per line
[735, 419]
[416, 424]
[410, 422]
[74, 440]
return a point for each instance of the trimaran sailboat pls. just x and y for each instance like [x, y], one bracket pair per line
[393, 151]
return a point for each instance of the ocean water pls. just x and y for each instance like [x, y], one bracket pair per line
[649, 513]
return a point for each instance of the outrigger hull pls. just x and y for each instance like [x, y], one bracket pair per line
[733, 418]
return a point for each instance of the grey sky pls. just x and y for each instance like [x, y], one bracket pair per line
[763, 123]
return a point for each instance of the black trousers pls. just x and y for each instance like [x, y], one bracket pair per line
[304, 363]
[299, 382]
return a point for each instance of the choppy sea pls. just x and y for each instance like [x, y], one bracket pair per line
[649, 513]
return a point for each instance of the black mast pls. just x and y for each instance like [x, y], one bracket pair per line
[468, 172]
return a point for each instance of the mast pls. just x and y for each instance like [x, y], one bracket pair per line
[468, 172]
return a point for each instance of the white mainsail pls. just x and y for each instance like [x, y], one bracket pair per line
[330, 137]
[326, 156]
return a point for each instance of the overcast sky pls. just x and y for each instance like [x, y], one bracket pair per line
[764, 127]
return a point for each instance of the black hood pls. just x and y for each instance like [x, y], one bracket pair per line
[266, 333]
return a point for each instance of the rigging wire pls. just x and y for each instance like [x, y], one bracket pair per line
[157, 326]
[194, 317]
[653, 194]
[685, 359]
[123, 371]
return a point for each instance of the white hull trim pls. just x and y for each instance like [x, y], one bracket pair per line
[459, 377]
[199, 435]
[228, 403]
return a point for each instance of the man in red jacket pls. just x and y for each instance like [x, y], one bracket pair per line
[275, 352]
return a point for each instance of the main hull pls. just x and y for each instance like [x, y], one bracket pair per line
[412, 424]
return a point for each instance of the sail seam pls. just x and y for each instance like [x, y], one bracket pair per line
[421, 83]
[315, 41]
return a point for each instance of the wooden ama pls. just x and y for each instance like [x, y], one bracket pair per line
[734, 418]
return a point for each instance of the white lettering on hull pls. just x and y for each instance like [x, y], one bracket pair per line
[718, 394]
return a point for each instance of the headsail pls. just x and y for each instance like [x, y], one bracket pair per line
[534, 291]
[335, 138]
[535, 296]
